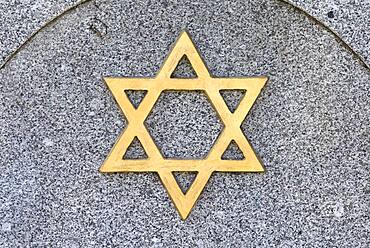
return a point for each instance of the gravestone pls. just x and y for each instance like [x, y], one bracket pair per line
[309, 127]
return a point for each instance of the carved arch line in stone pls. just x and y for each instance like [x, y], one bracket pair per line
[295, 7]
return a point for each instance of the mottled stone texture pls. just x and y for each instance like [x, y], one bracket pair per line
[310, 127]
[19, 19]
[350, 19]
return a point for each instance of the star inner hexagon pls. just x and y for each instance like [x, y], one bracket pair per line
[155, 162]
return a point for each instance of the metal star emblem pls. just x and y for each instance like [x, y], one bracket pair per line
[155, 161]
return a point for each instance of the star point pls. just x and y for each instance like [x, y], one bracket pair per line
[155, 161]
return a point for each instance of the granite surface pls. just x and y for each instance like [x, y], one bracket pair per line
[350, 19]
[310, 127]
[19, 19]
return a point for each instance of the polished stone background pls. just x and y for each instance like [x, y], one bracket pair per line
[310, 125]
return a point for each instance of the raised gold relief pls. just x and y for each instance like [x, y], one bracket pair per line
[155, 161]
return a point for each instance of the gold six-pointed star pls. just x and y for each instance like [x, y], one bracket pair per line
[155, 162]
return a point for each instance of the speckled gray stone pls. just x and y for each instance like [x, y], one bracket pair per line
[135, 150]
[233, 152]
[184, 179]
[350, 19]
[58, 122]
[20, 19]
[184, 124]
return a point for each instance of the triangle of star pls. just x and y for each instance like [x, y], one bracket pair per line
[155, 161]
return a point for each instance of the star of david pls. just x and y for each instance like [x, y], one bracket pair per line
[155, 162]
